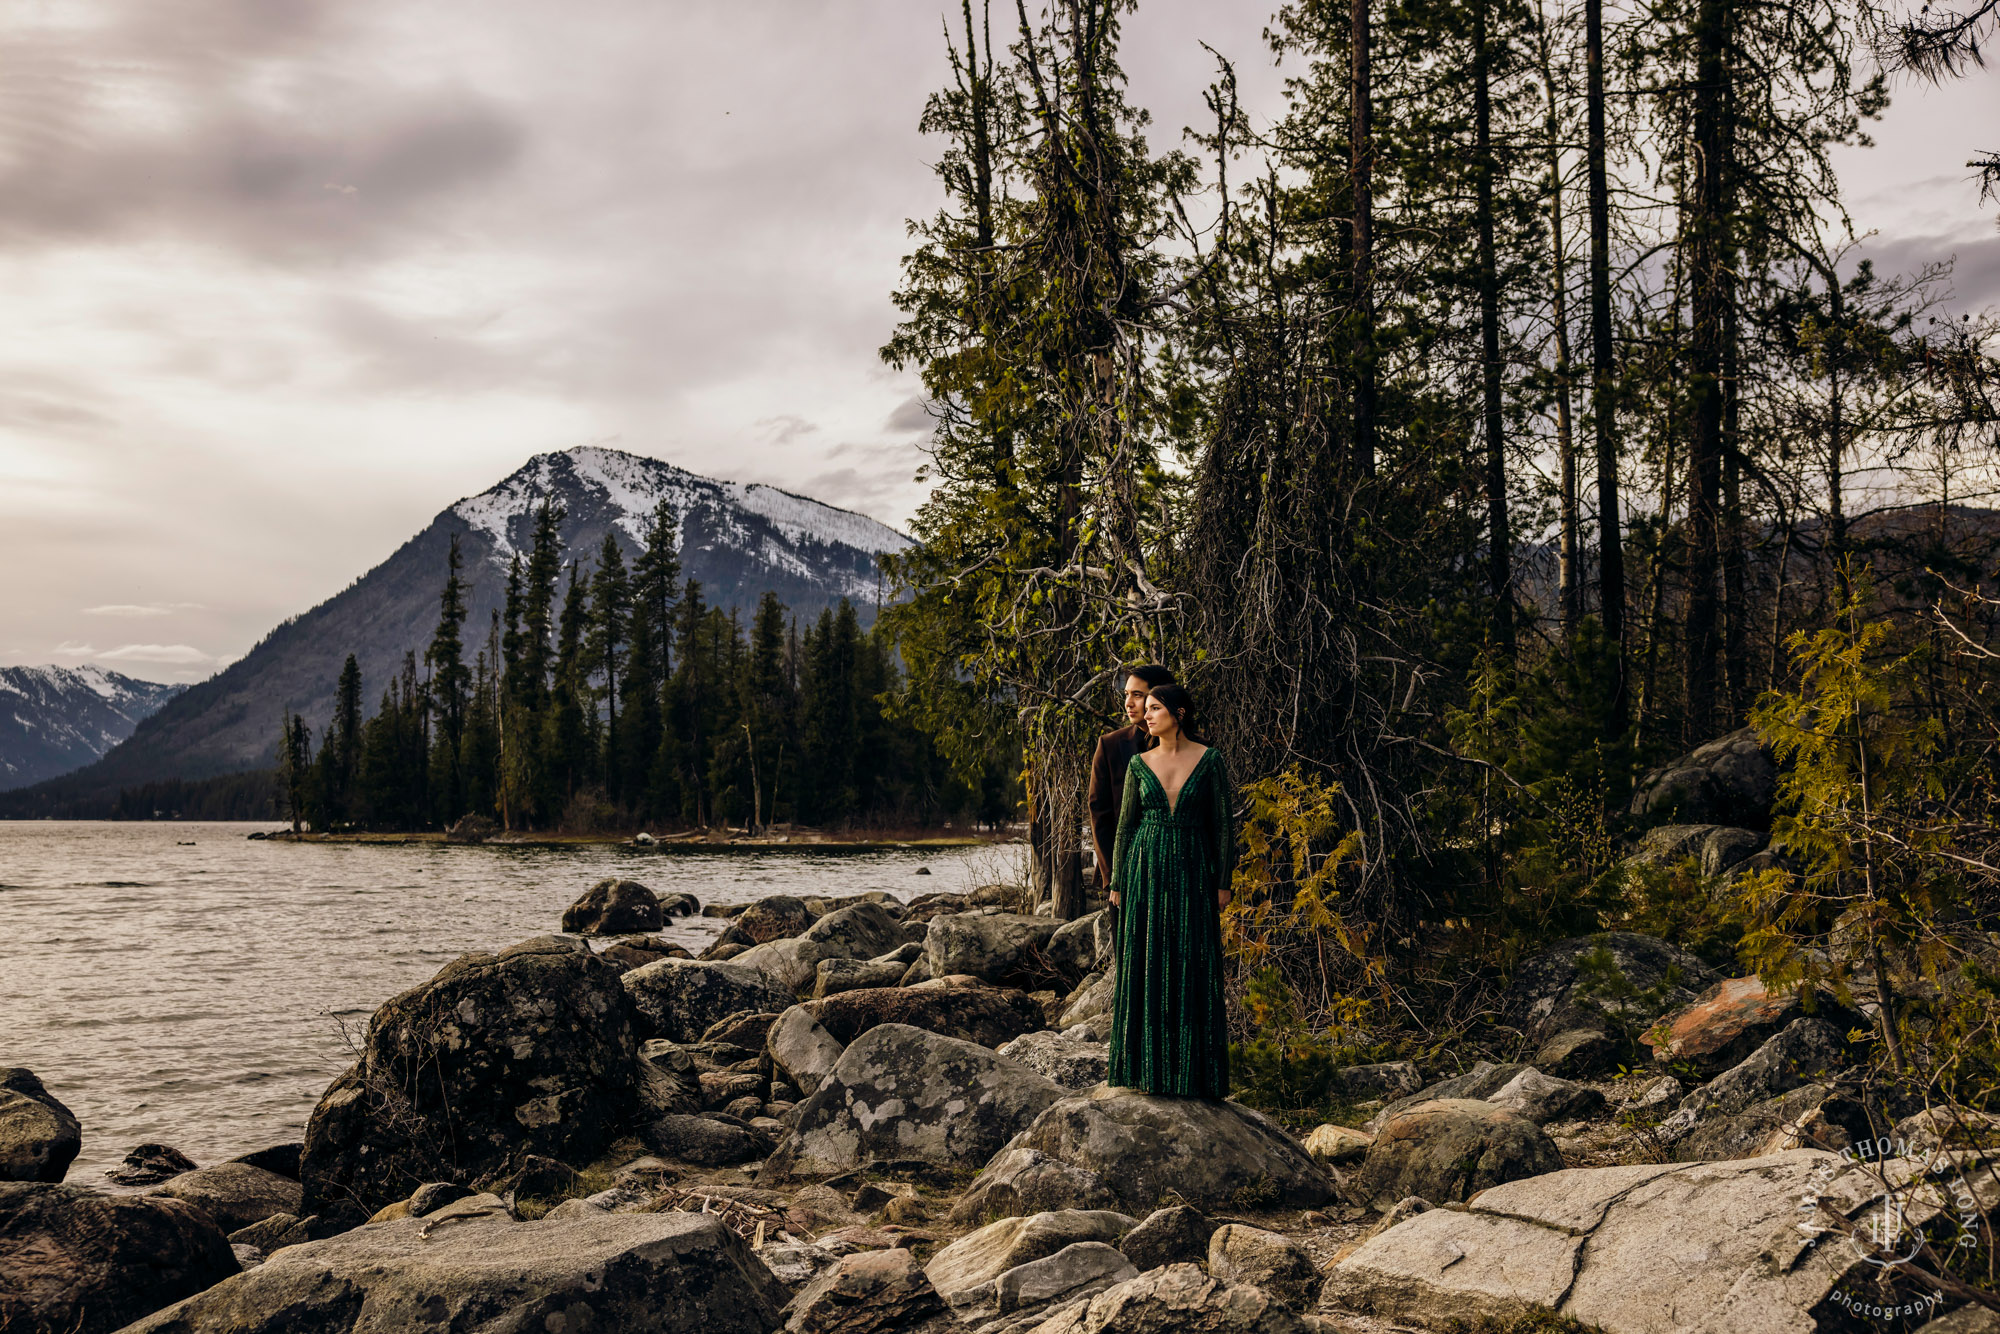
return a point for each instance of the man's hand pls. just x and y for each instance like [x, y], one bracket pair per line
[1222, 898]
[1114, 898]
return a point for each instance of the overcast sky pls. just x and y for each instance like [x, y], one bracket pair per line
[284, 278]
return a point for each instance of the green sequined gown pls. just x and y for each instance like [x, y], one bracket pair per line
[1167, 1031]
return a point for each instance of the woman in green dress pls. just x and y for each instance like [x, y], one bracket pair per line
[1170, 873]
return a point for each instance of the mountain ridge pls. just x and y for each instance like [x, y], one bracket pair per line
[57, 719]
[738, 539]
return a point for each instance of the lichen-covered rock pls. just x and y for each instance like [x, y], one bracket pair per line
[1543, 1099]
[235, 1195]
[1594, 981]
[995, 947]
[39, 1137]
[1724, 1025]
[1811, 1116]
[1075, 1063]
[801, 1049]
[1212, 1154]
[667, 1080]
[987, 1016]
[858, 931]
[1482, 1081]
[1449, 1150]
[147, 1164]
[774, 917]
[1713, 1248]
[529, 1050]
[838, 975]
[903, 1093]
[1083, 946]
[872, 1292]
[1731, 780]
[705, 1141]
[963, 1272]
[1077, 1270]
[1577, 1053]
[76, 1262]
[1239, 1253]
[1715, 848]
[1174, 1235]
[666, 1273]
[1179, 1299]
[1383, 1079]
[1028, 1181]
[614, 907]
[683, 998]
[629, 952]
[1804, 1051]
[1091, 1000]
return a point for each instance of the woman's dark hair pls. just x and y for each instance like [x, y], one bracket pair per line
[1152, 674]
[1175, 699]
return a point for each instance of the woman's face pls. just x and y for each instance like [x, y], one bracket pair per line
[1160, 720]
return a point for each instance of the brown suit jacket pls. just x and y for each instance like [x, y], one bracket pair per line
[1107, 790]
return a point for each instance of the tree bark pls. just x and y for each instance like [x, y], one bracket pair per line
[1709, 297]
[1603, 389]
[1569, 586]
[1499, 556]
[1361, 162]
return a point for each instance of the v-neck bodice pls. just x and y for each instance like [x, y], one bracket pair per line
[1174, 801]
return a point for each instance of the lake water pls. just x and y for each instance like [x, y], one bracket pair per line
[181, 984]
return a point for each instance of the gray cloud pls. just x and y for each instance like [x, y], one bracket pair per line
[287, 277]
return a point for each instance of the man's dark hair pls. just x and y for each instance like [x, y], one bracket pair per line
[1152, 674]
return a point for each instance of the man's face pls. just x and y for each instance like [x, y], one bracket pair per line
[1135, 699]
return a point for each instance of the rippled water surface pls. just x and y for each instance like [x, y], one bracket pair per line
[179, 983]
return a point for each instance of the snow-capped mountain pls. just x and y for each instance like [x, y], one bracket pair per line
[55, 719]
[738, 540]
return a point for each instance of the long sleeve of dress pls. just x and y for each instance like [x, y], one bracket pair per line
[1128, 824]
[1222, 797]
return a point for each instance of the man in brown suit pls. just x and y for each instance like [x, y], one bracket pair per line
[1107, 766]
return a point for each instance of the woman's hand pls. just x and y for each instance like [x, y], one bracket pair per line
[1222, 898]
[1114, 898]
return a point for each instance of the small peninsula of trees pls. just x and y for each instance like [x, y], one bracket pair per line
[616, 698]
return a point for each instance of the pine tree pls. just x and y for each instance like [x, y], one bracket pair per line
[295, 768]
[450, 687]
[610, 620]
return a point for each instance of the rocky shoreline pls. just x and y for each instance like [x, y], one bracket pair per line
[864, 1116]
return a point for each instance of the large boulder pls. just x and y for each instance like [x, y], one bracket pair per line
[858, 931]
[614, 907]
[903, 1093]
[1028, 1181]
[706, 1141]
[1083, 946]
[1811, 1116]
[871, 1292]
[801, 1049]
[1804, 1051]
[1075, 1063]
[988, 1016]
[528, 1050]
[235, 1195]
[1383, 1079]
[774, 917]
[1451, 1150]
[1543, 1099]
[39, 1137]
[1170, 1236]
[474, 1269]
[1074, 1272]
[963, 1272]
[1613, 979]
[682, 998]
[1726, 1023]
[995, 947]
[1731, 780]
[1713, 1248]
[1716, 848]
[1179, 1299]
[1482, 1081]
[1239, 1253]
[837, 975]
[76, 1262]
[1211, 1154]
[666, 1079]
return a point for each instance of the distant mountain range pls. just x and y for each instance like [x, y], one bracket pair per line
[55, 719]
[739, 540]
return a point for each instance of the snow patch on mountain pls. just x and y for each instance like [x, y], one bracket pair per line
[54, 719]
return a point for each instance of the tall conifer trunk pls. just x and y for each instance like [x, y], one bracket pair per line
[1603, 391]
[1709, 298]
[1499, 556]
[1361, 166]
[1569, 545]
